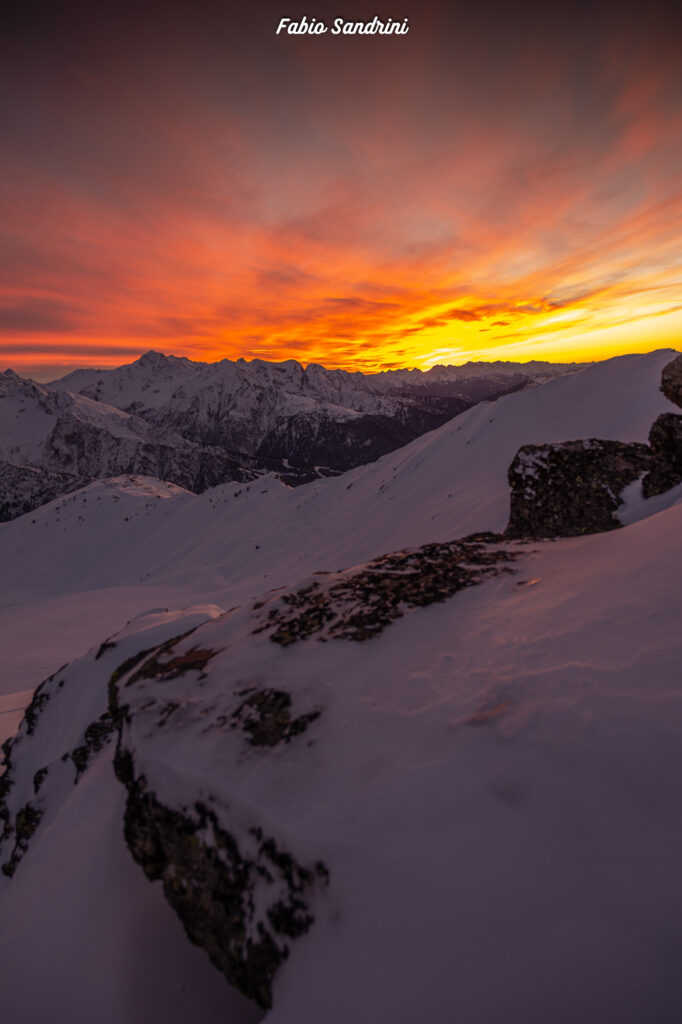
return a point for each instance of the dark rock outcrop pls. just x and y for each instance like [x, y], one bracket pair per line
[238, 893]
[265, 715]
[665, 440]
[569, 489]
[216, 885]
[25, 824]
[572, 488]
[359, 604]
[671, 381]
[97, 735]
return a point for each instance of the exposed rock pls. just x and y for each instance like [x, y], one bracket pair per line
[564, 490]
[265, 715]
[569, 489]
[239, 901]
[40, 698]
[39, 778]
[97, 735]
[6, 783]
[106, 645]
[25, 824]
[671, 381]
[357, 605]
[155, 667]
[665, 440]
[238, 893]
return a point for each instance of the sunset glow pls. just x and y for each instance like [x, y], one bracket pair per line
[477, 190]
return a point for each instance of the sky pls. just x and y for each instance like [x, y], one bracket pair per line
[504, 181]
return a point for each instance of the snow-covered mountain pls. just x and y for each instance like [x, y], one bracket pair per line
[53, 441]
[315, 416]
[428, 785]
[199, 425]
[445, 484]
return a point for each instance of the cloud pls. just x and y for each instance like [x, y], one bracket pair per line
[30, 315]
[225, 193]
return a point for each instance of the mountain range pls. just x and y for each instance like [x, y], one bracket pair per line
[203, 424]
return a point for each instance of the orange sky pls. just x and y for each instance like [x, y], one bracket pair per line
[458, 194]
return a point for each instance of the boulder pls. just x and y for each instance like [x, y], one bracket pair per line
[671, 381]
[572, 488]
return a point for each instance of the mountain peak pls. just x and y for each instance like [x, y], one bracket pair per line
[153, 358]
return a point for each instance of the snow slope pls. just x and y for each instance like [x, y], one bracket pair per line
[490, 783]
[448, 483]
[81, 566]
[97, 966]
[130, 546]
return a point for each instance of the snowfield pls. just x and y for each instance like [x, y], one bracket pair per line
[475, 807]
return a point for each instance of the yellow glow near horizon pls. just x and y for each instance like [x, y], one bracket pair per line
[406, 325]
